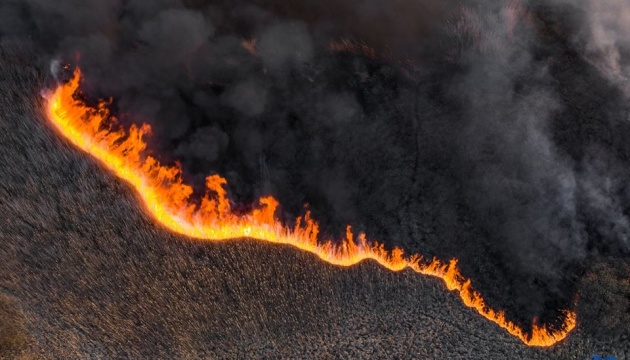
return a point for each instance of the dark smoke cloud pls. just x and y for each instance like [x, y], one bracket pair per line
[490, 131]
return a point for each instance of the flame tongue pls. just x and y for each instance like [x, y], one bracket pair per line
[167, 198]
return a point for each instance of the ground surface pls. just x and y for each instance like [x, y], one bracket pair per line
[85, 273]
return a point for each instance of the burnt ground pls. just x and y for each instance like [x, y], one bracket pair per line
[84, 272]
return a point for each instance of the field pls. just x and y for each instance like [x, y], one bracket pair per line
[85, 273]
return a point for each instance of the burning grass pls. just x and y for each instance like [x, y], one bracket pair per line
[167, 198]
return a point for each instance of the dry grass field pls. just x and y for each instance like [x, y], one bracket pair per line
[85, 273]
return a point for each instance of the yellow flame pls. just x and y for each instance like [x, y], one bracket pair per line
[168, 199]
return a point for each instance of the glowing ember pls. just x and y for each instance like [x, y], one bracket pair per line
[167, 198]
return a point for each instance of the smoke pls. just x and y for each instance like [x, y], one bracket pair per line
[517, 184]
[606, 41]
[493, 132]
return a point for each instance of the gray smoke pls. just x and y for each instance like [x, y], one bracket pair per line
[493, 132]
[605, 39]
[519, 185]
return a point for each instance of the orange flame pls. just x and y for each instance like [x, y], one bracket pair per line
[168, 200]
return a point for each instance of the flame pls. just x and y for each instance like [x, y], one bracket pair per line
[168, 199]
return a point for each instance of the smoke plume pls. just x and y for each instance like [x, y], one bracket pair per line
[492, 132]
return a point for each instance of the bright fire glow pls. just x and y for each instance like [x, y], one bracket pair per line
[168, 199]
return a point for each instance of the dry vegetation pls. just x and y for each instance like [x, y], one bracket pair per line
[13, 338]
[96, 278]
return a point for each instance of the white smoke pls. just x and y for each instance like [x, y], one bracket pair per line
[55, 68]
[607, 44]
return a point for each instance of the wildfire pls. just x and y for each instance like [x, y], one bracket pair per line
[168, 199]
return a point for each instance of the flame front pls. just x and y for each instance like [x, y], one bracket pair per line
[168, 199]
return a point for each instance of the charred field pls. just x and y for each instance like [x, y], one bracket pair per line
[535, 207]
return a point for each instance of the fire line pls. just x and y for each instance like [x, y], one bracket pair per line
[167, 198]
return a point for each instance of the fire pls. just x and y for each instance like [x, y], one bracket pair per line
[168, 199]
